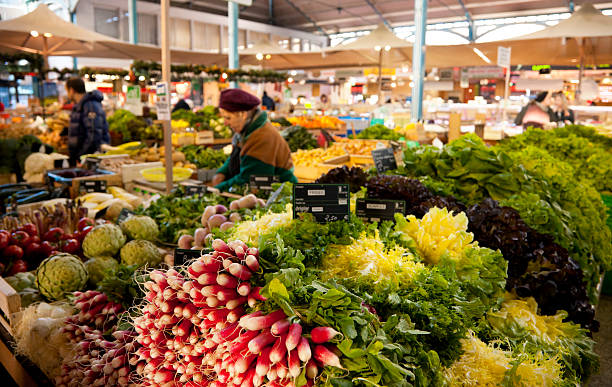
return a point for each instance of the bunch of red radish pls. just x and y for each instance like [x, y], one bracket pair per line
[98, 362]
[95, 310]
[195, 332]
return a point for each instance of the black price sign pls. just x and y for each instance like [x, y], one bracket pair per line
[182, 256]
[61, 164]
[123, 215]
[88, 186]
[195, 190]
[263, 183]
[384, 159]
[377, 210]
[327, 202]
[92, 163]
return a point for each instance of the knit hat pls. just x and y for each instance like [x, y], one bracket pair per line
[236, 100]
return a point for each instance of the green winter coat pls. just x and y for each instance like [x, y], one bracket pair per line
[263, 152]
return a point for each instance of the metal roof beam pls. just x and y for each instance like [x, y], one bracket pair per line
[271, 12]
[468, 17]
[295, 7]
[380, 15]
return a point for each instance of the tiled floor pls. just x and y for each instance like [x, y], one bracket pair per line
[603, 343]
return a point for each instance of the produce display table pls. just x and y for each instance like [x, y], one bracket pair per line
[23, 372]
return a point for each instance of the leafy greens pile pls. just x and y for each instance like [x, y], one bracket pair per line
[541, 188]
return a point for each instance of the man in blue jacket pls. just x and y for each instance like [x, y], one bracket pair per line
[88, 127]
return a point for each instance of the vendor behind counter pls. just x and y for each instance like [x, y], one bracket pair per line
[258, 148]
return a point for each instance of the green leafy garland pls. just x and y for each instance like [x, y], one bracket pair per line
[149, 69]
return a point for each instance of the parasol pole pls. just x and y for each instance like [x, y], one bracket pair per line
[165, 53]
[380, 56]
[581, 69]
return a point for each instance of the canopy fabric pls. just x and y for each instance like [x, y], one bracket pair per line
[67, 39]
[381, 37]
[360, 53]
[586, 22]
[264, 47]
[587, 33]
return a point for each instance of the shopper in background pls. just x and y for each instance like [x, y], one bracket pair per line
[183, 104]
[562, 113]
[267, 102]
[88, 127]
[536, 113]
[257, 147]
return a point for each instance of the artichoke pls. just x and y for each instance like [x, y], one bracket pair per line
[98, 267]
[60, 275]
[104, 240]
[140, 227]
[140, 252]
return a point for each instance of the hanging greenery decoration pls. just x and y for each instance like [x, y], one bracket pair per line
[10, 62]
[210, 73]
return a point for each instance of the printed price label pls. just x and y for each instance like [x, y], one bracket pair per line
[92, 163]
[377, 210]
[182, 256]
[263, 183]
[191, 190]
[88, 186]
[327, 202]
[123, 215]
[384, 159]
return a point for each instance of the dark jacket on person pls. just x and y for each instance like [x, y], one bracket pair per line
[563, 116]
[181, 105]
[268, 102]
[519, 120]
[259, 150]
[88, 127]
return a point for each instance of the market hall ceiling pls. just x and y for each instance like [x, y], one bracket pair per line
[333, 16]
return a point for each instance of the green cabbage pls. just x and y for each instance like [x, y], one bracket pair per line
[141, 253]
[140, 227]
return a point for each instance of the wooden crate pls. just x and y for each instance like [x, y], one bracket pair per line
[10, 304]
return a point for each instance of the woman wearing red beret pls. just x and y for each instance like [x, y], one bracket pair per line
[258, 148]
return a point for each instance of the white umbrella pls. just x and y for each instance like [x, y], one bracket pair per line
[43, 32]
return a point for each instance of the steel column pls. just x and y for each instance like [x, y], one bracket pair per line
[232, 31]
[165, 56]
[133, 21]
[73, 21]
[418, 58]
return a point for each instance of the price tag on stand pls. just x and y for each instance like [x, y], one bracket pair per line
[123, 215]
[205, 137]
[263, 183]
[88, 186]
[327, 202]
[384, 159]
[191, 190]
[378, 210]
[61, 164]
[92, 163]
[182, 256]
[163, 101]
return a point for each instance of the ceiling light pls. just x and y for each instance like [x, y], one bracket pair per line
[411, 84]
[575, 81]
[293, 73]
[224, 75]
[259, 56]
[387, 47]
[141, 78]
[290, 80]
[393, 78]
[34, 33]
[481, 55]
[268, 57]
[393, 84]
[48, 35]
[377, 48]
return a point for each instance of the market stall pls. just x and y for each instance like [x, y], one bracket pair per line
[411, 273]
